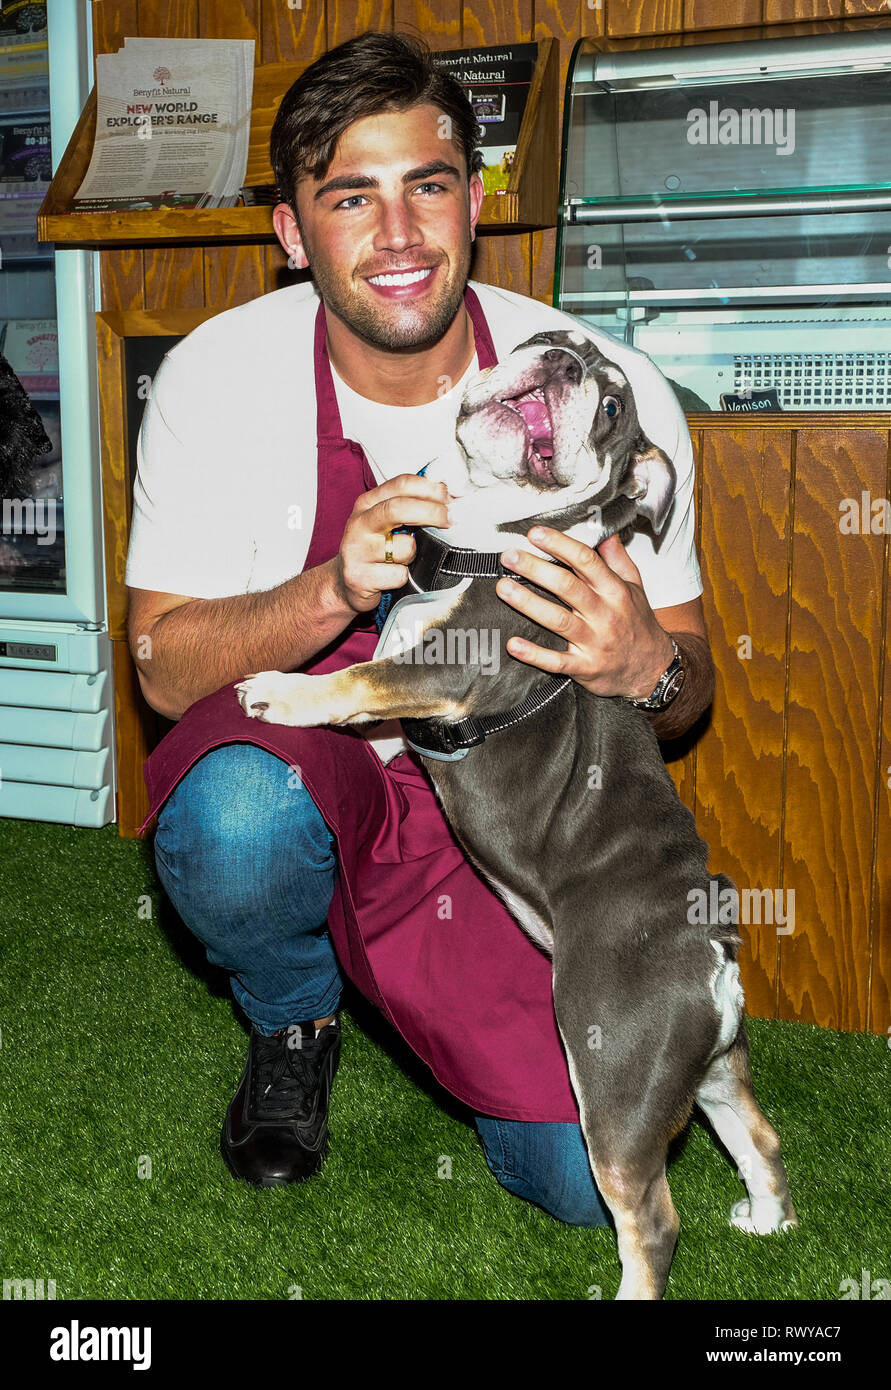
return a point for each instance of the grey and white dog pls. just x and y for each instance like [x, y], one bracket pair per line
[600, 872]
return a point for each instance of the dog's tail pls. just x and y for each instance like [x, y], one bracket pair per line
[723, 926]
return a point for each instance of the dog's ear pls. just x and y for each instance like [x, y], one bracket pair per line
[650, 480]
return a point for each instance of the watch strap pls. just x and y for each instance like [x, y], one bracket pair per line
[656, 701]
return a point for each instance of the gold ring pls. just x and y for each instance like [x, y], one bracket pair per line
[388, 553]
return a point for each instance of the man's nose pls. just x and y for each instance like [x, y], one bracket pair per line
[398, 227]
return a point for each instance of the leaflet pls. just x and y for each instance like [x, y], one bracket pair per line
[172, 125]
[497, 81]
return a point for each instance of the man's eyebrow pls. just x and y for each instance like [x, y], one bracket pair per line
[426, 171]
[351, 181]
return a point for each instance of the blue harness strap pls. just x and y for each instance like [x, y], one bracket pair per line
[386, 603]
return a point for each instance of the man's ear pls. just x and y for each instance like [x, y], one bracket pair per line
[476, 193]
[288, 233]
[651, 481]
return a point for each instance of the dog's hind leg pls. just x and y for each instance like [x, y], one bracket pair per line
[627, 1147]
[728, 1099]
[647, 1224]
[629, 1170]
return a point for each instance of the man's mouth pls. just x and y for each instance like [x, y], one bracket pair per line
[397, 278]
[533, 411]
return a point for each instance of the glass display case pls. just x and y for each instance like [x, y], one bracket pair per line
[727, 210]
[32, 558]
[56, 690]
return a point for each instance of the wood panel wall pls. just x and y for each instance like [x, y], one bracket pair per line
[790, 783]
[225, 276]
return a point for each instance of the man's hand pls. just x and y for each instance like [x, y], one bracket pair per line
[360, 572]
[616, 645]
[197, 644]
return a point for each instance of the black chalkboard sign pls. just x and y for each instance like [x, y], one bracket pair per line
[142, 358]
[761, 399]
[131, 345]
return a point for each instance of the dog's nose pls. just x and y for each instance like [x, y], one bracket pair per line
[567, 363]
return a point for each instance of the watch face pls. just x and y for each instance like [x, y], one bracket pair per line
[672, 686]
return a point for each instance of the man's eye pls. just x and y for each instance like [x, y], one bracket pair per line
[436, 187]
[611, 405]
[353, 199]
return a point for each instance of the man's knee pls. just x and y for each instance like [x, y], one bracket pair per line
[546, 1164]
[238, 807]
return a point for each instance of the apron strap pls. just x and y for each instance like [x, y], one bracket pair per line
[328, 425]
[485, 348]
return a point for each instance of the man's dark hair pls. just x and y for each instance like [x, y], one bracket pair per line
[371, 73]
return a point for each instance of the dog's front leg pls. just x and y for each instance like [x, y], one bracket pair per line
[401, 685]
[386, 689]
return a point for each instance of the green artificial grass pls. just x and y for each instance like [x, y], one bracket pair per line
[119, 1042]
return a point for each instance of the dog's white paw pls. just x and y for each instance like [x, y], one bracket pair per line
[760, 1218]
[277, 697]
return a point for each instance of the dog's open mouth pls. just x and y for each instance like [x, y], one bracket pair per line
[533, 411]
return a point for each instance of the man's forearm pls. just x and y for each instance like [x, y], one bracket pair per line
[695, 694]
[200, 646]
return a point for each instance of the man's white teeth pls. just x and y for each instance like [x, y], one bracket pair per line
[404, 277]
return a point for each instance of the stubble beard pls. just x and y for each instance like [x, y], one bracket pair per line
[392, 327]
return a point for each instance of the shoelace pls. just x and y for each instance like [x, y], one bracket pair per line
[286, 1077]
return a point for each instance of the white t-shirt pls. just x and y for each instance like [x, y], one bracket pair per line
[224, 500]
[400, 439]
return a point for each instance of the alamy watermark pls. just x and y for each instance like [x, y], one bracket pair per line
[865, 1287]
[28, 1289]
[76, 1343]
[451, 646]
[729, 906]
[865, 515]
[748, 126]
[26, 517]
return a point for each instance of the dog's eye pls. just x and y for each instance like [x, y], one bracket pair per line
[611, 405]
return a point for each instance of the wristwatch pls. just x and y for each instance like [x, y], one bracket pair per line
[667, 686]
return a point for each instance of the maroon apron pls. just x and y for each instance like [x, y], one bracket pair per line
[414, 926]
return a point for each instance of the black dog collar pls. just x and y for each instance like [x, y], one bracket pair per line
[437, 565]
[451, 741]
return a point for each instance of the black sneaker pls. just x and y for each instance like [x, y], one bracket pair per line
[276, 1128]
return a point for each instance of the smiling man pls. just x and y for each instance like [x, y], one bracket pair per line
[281, 447]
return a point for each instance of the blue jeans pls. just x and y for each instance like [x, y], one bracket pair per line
[249, 864]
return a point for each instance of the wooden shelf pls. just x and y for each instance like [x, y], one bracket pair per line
[871, 419]
[530, 202]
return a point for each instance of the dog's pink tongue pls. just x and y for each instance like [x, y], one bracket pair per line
[535, 413]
